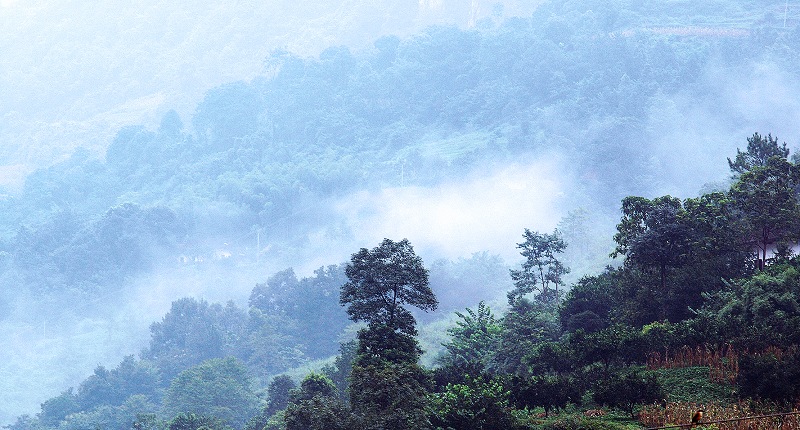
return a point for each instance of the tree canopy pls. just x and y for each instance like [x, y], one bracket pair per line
[384, 279]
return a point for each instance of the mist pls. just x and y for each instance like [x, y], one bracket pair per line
[691, 137]
[459, 159]
[75, 73]
[487, 211]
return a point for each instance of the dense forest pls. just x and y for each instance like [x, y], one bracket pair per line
[704, 310]
[598, 102]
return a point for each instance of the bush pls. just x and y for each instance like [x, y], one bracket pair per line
[769, 377]
[628, 388]
[479, 403]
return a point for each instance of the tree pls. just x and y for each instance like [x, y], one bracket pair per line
[653, 234]
[279, 392]
[316, 406]
[716, 235]
[766, 197]
[339, 372]
[541, 266]
[618, 343]
[113, 387]
[755, 313]
[635, 211]
[381, 281]
[54, 410]
[387, 385]
[196, 422]
[278, 397]
[309, 306]
[759, 151]
[769, 377]
[654, 237]
[549, 392]
[187, 335]
[626, 389]
[473, 339]
[218, 387]
[715, 252]
[269, 344]
[145, 421]
[389, 396]
[477, 404]
[590, 302]
[106, 416]
[524, 326]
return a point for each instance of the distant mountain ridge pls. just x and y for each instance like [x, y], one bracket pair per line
[73, 73]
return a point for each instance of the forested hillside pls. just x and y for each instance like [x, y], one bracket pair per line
[459, 139]
[703, 312]
[73, 73]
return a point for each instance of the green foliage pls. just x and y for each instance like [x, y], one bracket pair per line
[692, 384]
[25, 422]
[265, 148]
[616, 344]
[54, 410]
[717, 250]
[628, 388]
[145, 421]
[541, 267]
[317, 413]
[313, 385]
[196, 422]
[675, 251]
[278, 397]
[268, 345]
[589, 304]
[766, 198]
[86, 254]
[474, 338]
[113, 387]
[548, 392]
[387, 385]
[769, 377]
[227, 112]
[308, 306]
[759, 312]
[525, 325]
[107, 399]
[315, 405]
[551, 357]
[651, 234]
[279, 392]
[577, 421]
[381, 281]
[106, 416]
[759, 151]
[390, 396]
[478, 404]
[81, 185]
[342, 367]
[187, 335]
[218, 388]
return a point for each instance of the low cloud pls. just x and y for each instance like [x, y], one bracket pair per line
[691, 137]
[486, 212]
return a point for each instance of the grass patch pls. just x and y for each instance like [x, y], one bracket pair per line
[692, 384]
[572, 419]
